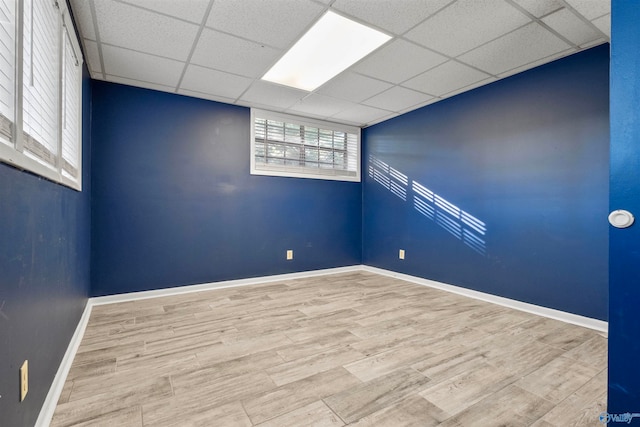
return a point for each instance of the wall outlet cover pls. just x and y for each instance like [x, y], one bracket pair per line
[24, 380]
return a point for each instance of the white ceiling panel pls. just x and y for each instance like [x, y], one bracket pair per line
[191, 10]
[417, 106]
[386, 14]
[232, 54]
[272, 94]
[84, 18]
[476, 22]
[205, 95]
[571, 27]
[134, 28]
[521, 47]
[141, 66]
[93, 56]
[362, 114]
[322, 106]
[591, 9]
[257, 19]
[206, 80]
[536, 63]
[540, 8]
[220, 49]
[596, 42]
[385, 63]
[138, 83]
[604, 24]
[398, 99]
[353, 87]
[469, 87]
[446, 78]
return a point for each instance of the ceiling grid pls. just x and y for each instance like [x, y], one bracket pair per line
[220, 49]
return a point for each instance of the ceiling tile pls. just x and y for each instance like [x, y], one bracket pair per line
[353, 87]
[231, 54]
[417, 106]
[384, 13]
[540, 8]
[385, 62]
[141, 66]
[361, 114]
[528, 44]
[271, 94]
[208, 96]
[84, 18]
[192, 10]
[92, 56]
[591, 9]
[467, 24]
[445, 78]
[275, 22]
[604, 24]
[322, 106]
[397, 99]
[214, 82]
[596, 42]
[127, 26]
[537, 63]
[469, 87]
[138, 83]
[571, 27]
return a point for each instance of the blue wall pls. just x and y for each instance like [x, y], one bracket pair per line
[511, 188]
[173, 202]
[44, 280]
[624, 279]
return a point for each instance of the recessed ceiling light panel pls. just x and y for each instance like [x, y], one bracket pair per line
[331, 46]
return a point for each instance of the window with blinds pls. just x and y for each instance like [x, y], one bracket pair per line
[284, 145]
[7, 68]
[40, 90]
[40, 83]
[71, 126]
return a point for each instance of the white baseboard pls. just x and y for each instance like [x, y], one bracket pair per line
[50, 402]
[132, 296]
[49, 406]
[551, 313]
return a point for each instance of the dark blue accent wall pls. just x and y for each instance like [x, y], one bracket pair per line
[44, 277]
[173, 202]
[503, 189]
[624, 278]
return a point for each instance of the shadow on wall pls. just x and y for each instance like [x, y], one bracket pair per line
[459, 223]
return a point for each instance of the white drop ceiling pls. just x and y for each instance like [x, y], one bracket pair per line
[219, 49]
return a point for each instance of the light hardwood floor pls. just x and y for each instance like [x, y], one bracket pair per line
[346, 349]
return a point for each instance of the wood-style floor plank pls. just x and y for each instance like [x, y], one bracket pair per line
[354, 349]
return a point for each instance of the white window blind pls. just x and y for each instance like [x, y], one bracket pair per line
[71, 83]
[285, 145]
[41, 59]
[7, 68]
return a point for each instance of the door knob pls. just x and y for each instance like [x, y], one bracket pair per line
[621, 218]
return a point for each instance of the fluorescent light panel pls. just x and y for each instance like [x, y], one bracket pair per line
[331, 46]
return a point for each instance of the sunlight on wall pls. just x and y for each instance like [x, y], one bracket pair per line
[459, 223]
[390, 178]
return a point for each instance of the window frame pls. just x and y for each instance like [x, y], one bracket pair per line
[302, 171]
[13, 151]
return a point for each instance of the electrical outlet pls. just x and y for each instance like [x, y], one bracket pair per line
[401, 254]
[290, 254]
[24, 380]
